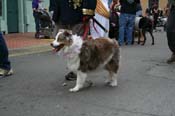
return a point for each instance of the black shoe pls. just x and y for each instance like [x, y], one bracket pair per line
[71, 76]
[37, 35]
[171, 59]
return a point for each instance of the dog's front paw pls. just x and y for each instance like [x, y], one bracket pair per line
[75, 89]
[143, 44]
[113, 84]
[107, 81]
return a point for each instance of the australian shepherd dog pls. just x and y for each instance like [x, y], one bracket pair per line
[85, 56]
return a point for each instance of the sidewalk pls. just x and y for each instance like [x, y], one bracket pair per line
[25, 43]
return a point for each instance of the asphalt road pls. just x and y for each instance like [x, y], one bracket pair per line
[146, 86]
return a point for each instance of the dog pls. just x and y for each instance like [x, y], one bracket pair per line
[143, 25]
[86, 56]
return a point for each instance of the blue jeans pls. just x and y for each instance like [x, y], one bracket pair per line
[126, 25]
[37, 21]
[4, 61]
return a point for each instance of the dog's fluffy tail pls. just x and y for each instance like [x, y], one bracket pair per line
[115, 42]
[116, 51]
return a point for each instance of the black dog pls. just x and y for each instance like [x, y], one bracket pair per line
[145, 25]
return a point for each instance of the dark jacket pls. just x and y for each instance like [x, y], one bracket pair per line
[129, 7]
[171, 18]
[66, 13]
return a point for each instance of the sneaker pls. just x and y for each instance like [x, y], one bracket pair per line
[171, 59]
[4, 72]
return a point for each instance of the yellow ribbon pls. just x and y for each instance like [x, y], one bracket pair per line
[101, 9]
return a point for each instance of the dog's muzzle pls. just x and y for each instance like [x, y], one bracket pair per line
[57, 47]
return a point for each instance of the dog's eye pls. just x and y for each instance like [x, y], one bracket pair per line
[62, 39]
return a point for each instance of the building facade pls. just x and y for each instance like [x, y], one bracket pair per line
[148, 4]
[17, 15]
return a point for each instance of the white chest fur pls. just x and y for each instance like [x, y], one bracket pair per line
[72, 53]
[73, 63]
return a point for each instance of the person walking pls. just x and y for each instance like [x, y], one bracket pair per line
[155, 14]
[74, 16]
[102, 15]
[114, 20]
[127, 20]
[5, 64]
[35, 7]
[54, 12]
[171, 31]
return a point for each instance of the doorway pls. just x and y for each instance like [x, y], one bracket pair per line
[12, 16]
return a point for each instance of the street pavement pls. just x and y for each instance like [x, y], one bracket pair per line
[146, 85]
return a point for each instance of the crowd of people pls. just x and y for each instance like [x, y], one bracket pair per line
[117, 16]
[83, 18]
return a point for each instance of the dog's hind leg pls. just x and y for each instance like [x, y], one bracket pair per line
[81, 78]
[133, 37]
[151, 33]
[108, 79]
[112, 79]
[144, 36]
[139, 36]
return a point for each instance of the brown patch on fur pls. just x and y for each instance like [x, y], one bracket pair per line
[96, 52]
[65, 38]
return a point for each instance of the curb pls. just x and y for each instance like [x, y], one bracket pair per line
[29, 50]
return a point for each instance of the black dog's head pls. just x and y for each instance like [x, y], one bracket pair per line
[145, 23]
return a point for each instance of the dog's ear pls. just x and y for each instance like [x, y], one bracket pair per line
[67, 33]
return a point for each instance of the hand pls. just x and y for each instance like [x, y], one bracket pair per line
[113, 24]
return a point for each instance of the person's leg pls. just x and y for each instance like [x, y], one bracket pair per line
[155, 20]
[129, 28]
[116, 30]
[122, 24]
[171, 41]
[171, 45]
[79, 28]
[36, 24]
[56, 28]
[171, 35]
[5, 66]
